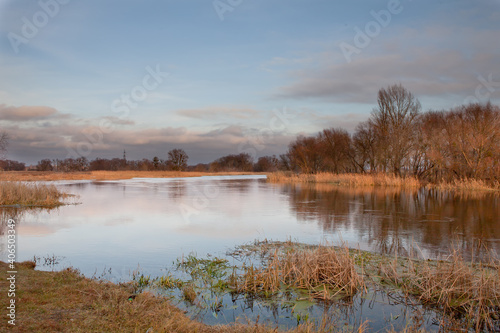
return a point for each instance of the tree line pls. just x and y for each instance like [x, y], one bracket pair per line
[463, 142]
[398, 138]
[176, 161]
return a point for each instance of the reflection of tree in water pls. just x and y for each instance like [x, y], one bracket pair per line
[17, 214]
[391, 219]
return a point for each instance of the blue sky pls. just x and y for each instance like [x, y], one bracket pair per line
[228, 71]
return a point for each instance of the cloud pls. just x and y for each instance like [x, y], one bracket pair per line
[433, 60]
[437, 74]
[118, 121]
[30, 142]
[23, 113]
[219, 113]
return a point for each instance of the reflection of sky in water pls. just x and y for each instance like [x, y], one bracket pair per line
[151, 222]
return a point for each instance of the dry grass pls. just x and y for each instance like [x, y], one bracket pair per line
[324, 272]
[454, 285]
[347, 179]
[68, 302]
[30, 194]
[103, 175]
[468, 185]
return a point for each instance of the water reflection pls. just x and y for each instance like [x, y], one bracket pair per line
[389, 219]
[151, 222]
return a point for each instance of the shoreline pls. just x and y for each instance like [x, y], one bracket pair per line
[380, 180]
[68, 301]
[108, 175]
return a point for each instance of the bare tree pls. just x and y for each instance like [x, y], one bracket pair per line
[177, 159]
[336, 144]
[395, 120]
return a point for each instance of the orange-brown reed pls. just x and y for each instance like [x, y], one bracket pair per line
[324, 271]
[345, 179]
[454, 285]
[30, 194]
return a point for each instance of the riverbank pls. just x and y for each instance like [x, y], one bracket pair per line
[463, 295]
[380, 179]
[106, 175]
[66, 301]
[13, 193]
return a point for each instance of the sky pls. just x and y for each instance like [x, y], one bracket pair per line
[217, 77]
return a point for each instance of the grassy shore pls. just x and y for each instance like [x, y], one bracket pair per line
[103, 175]
[66, 301]
[30, 194]
[466, 295]
[380, 179]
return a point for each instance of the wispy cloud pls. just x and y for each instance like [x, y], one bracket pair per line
[219, 113]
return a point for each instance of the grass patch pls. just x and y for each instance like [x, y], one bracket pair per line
[30, 194]
[324, 272]
[66, 301]
[470, 292]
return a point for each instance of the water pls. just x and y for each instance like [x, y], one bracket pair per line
[145, 224]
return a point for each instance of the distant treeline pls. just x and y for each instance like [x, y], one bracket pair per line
[463, 142]
[460, 143]
[176, 161]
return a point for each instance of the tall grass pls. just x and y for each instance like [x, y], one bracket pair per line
[346, 179]
[468, 185]
[30, 194]
[454, 285]
[324, 272]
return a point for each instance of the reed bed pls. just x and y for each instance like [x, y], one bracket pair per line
[324, 272]
[455, 286]
[468, 185]
[30, 194]
[346, 179]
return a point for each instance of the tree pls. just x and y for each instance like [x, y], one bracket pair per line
[177, 159]
[240, 162]
[336, 145]
[266, 164]
[44, 165]
[394, 121]
[156, 162]
[305, 154]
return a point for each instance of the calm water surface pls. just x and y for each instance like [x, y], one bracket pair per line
[120, 226]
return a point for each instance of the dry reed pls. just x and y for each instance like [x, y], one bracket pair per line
[66, 301]
[454, 286]
[346, 179]
[468, 185]
[30, 194]
[324, 272]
